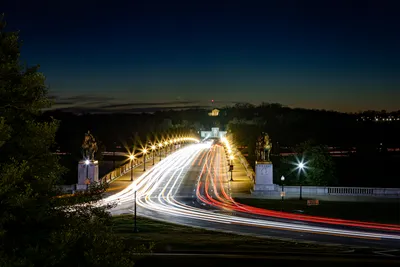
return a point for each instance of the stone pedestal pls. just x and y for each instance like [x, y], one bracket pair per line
[87, 173]
[264, 173]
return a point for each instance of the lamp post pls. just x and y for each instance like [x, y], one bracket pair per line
[87, 174]
[301, 166]
[283, 190]
[135, 230]
[159, 151]
[144, 159]
[166, 148]
[131, 157]
[153, 148]
[231, 166]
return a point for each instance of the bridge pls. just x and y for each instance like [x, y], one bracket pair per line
[191, 182]
[157, 148]
[192, 185]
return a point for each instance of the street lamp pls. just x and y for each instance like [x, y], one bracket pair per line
[131, 157]
[87, 162]
[135, 230]
[283, 190]
[301, 166]
[160, 147]
[231, 166]
[166, 148]
[144, 159]
[153, 148]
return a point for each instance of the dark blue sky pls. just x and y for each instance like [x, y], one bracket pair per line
[340, 55]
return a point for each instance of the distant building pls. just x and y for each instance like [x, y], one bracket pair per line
[214, 133]
[214, 113]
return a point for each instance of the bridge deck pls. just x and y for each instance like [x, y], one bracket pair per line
[242, 184]
[122, 182]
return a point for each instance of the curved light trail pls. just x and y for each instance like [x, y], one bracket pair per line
[158, 191]
[215, 177]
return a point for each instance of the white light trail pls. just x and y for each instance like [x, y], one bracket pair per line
[157, 191]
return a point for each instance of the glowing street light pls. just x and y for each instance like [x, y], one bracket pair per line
[131, 157]
[231, 157]
[87, 162]
[301, 166]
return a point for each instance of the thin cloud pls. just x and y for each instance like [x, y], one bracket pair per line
[82, 109]
[138, 104]
[102, 104]
[88, 98]
[79, 100]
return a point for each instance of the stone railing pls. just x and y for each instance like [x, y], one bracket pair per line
[109, 177]
[249, 170]
[343, 191]
[122, 170]
[236, 152]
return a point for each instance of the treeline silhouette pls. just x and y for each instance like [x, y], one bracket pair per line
[286, 126]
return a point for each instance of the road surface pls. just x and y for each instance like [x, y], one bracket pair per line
[191, 187]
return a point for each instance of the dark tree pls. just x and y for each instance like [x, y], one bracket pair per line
[319, 168]
[36, 228]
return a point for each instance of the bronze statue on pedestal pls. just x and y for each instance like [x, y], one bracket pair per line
[89, 146]
[263, 147]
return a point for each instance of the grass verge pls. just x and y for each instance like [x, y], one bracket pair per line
[382, 212]
[176, 238]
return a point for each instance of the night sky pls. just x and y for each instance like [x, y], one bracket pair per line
[121, 55]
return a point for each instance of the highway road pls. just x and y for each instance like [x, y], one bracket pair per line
[191, 187]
